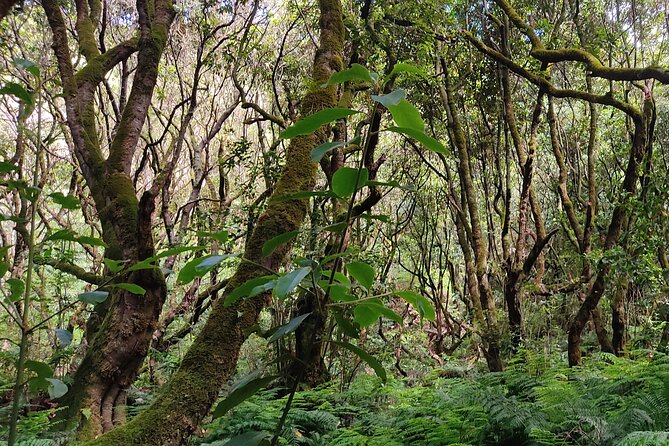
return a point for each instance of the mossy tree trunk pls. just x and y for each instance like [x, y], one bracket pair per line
[126, 321]
[212, 358]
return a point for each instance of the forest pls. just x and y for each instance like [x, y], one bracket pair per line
[334, 222]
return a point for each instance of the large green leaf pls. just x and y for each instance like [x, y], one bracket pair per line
[65, 201]
[245, 289]
[311, 123]
[287, 283]
[71, 236]
[7, 167]
[93, 297]
[270, 245]
[369, 359]
[362, 272]
[200, 266]
[355, 73]
[420, 136]
[390, 99]
[19, 92]
[64, 337]
[406, 115]
[27, 65]
[344, 181]
[131, 287]
[288, 328]
[16, 288]
[403, 67]
[241, 392]
[57, 388]
[41, 369]
[422, 304]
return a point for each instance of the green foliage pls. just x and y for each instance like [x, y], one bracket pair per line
[605, 403]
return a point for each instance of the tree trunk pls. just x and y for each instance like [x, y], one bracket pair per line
[618, 317]
[212, 358]
[126, 321]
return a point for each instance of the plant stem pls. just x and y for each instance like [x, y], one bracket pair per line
[25, 311]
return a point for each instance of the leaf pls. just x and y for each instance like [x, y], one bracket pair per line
[422, 304]
[57, 388]
[429, 142]
[64, 337]
[270, 245]
[288, 328]
[344, 181]
[403, 67]
[174, 251]
[391, 184]
[369, 359]
[19, 92]
[346, 326]
[265, 287]
[7, 167]
[245, 289]
[71, 236]
[406, 115]
[319, 152]
[200, 266]
[362, 272]
[220, 236]
[131, 287]
[356, 73]
[251, 438]
[27, 65]
[66, 201]
[341, 293]
[16, 288]
[311, 123]
[113, 265]
[390, 99]
[86, 412]
[365, 315]
[287, 283]
[93, 297]
[241, 393]
[41, 369]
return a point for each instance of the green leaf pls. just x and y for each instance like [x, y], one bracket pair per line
[174, 251]
[113, 265]
[93, 297]
[362, 272]
[16, 288]
[365, 315]
[319, 152]
[369, 359]
[403, 67]
[7, 167]
[270, 245]
[265, 287]
[341, 293]
[200, 266]
[241, 393]
[344, 181]
[390, 99]
[356, 73]
[41, 369]
[220, 236]
[64, 337]
[251, 438]
[288, 328]
[406, 115]
[390, 184]
[245, 289]
[345, 325]
[287, 283]
[131, 287]
[27, 65]
[422, 304]
[429, 142]
[57, 388]
[71, 236]
[19, 92]
[66, 201]
[311, 123]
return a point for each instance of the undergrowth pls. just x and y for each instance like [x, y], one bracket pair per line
[608, 401]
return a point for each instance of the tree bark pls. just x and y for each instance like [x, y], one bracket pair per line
[212, 358]
[123, 324]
